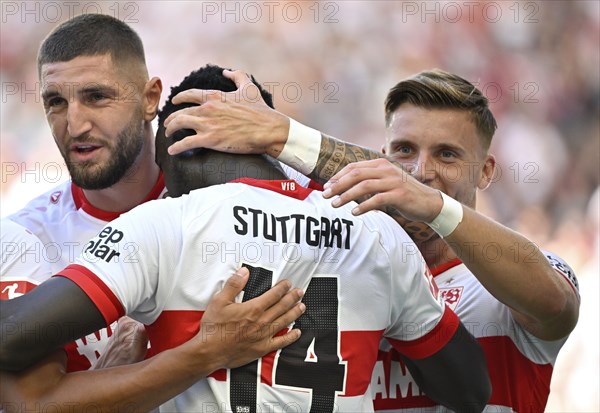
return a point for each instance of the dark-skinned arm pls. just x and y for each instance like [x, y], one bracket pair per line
[462, 359]
[147, 384]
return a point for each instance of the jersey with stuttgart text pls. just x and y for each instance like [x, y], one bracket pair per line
[520, 365]
[64, 221]
[363, 280]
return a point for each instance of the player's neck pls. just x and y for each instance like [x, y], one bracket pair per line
[132, 189]
[236, 166]
[436, 252]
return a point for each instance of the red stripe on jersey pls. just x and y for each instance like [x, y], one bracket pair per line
[517, 382]
[289, 188]
[173, 328]
[359, 348]
[445, 267]
[82, 202]
[404, 393]
[75, 361]
[14, 289]
[103, 298]
[431, 342]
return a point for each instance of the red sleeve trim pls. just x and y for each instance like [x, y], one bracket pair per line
[431, 342]
[103, 298]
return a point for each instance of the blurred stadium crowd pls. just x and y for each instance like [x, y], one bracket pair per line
[330, 64]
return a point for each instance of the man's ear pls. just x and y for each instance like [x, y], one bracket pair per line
[151, 96]
[487, 172]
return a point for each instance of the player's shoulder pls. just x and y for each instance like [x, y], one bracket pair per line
[23, 266]
[562, 267]
[14, 232]
[42, 208]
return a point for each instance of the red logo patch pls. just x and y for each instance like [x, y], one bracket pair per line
[55, 197]
[451, 296]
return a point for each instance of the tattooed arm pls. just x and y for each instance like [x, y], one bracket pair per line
[334, 155]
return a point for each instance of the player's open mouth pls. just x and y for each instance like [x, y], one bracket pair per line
[84, 148]
[84, 152]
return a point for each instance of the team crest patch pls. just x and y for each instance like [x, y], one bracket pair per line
[55, 196]
[451, 296]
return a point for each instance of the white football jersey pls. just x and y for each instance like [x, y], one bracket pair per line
[64, 221]
[520, 365]
[22, 266]
[363, 278]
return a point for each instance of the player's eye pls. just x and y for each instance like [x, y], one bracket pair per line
[446, 154]
[54, 102]
[96, 97]
[402, 150]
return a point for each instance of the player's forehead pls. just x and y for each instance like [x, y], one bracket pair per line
[428, 128]
[84, 72]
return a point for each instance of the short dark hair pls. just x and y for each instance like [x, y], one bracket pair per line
[209, 77]
[201, 167]
[91, 35]
[438, 89]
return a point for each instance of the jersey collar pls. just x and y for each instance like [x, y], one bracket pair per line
[287, 187]
[82, 202]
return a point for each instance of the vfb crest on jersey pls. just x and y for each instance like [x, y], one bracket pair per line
[451, 296]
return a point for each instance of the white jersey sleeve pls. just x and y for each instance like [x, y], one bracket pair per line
[125, 258]
[420, 324]
[22, 265]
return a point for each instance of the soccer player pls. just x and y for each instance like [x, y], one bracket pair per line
[274, 227]
[521, 305]
[99, 103]
[136, 387]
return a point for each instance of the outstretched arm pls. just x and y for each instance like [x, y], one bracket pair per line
[541, 298]
[147, 384]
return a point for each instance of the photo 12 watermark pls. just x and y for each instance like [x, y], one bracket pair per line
[58, 11]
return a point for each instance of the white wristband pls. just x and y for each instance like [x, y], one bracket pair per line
[449, 217]
[301, 151]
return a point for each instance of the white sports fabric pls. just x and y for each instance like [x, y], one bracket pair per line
[64, 221]
[21, 264]
[520, 365]
[362, 276]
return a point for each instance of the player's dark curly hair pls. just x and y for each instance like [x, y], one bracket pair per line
[209, 77]
[201, 167]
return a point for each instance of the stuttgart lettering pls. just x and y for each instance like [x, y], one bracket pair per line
[294, 228]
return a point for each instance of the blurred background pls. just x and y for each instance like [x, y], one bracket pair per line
[330, 64]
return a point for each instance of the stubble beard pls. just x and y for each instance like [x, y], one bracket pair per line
[92, 175]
